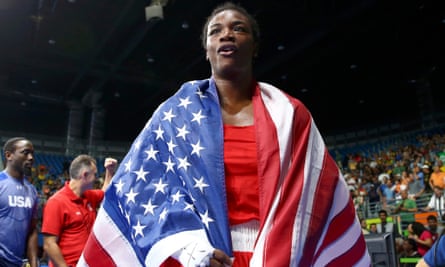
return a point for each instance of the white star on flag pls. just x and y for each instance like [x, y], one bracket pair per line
[160, 187]
[184, 102]
[138, 229]
[200, 184]
[131, 196]
[197, 148]
[168, 116]
[198, 116]
[151, 153]
[149, 208]
[206, 219]
[141, 174]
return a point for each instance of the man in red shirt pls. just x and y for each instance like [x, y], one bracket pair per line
[70, 213]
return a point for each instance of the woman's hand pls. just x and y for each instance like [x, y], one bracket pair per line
[220, 259]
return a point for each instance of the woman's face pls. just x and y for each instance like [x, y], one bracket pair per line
[230, 46]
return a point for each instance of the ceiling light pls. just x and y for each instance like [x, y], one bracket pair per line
[154, 10]
[51, 41]
[280, 47]
[185, 25]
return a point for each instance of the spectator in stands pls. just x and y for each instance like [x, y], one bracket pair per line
[352, 163]
[57, 184]
[388, 193]
[358, 198]
[415, 159]
[437, 202]
[432, 226]
[362, 197]
[437, 177]
[397, 186]
[70, 213]
[364, 226]
[404, 180]
[399, 168]
[384, 226]
[374, 194]
[406, 207]
[426, 177]
[418, 174]
[421, 235]
[373, 228]
[416, 188]
[435, 257]
[43, 173]
[18, 202]
[409, 250]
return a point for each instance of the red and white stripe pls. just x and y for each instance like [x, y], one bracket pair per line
[308, 218]
[106, 246]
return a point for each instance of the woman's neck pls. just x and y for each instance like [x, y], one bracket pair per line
[233, 91]
[236, 101]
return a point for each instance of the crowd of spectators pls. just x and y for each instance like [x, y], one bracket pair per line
[377, 180]
[399, 182]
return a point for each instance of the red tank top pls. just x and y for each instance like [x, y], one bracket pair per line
[241, 171]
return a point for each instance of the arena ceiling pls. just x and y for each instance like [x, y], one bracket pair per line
[354, 63]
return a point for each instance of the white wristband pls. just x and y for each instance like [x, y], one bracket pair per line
[195, 254]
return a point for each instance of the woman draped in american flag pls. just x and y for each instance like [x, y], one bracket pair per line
[229, 171]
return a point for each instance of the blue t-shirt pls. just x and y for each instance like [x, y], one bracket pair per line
[18, 206]
[438, 253]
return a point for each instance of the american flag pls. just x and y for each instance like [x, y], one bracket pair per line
[169, 189]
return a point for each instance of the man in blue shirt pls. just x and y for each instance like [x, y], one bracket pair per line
[18, 205]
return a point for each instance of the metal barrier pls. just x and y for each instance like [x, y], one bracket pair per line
[371, 209]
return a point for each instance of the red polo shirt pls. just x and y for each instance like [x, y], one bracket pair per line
[71, 218]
